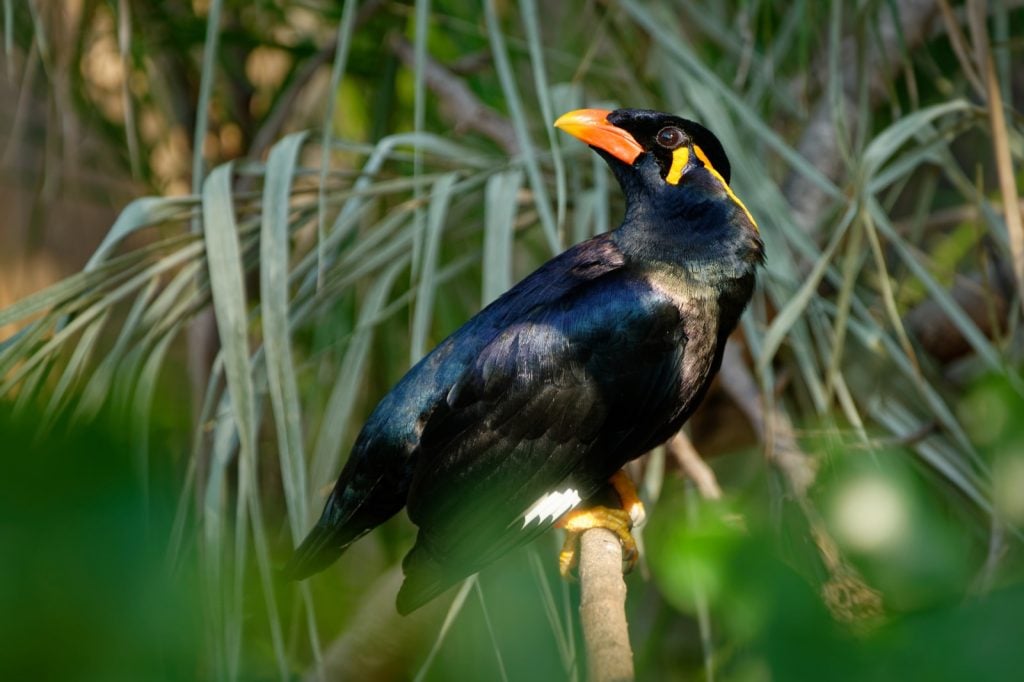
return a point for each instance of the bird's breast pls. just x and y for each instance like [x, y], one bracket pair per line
[699, 312]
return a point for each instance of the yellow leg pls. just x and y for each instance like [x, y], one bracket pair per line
[619, 521]
[626, 490]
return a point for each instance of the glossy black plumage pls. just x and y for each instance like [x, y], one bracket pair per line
[587, 363]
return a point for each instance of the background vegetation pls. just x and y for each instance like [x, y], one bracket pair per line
[331, 188]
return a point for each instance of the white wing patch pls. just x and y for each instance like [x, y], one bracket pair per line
[551, 505]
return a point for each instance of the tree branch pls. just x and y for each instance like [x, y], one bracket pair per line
[457, 102]
[603, 607]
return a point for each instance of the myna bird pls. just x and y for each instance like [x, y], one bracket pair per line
[526, 412]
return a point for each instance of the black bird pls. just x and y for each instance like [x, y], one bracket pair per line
[531, 407]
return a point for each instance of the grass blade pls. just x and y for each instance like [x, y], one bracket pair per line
[519, 122]
[344, 39]
[532, 27]
[206, 77]
[224, 261]
[274, 296]
[453, 612]
[668, 39]
[500, 206]
[797, 303]
[427, 286]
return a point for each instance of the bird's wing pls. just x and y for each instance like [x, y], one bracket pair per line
[548, 410]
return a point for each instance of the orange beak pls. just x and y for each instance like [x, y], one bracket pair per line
[592, 126]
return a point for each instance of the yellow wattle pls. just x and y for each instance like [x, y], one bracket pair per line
[728, 190]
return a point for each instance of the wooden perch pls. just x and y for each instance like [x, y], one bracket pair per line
[603, 607]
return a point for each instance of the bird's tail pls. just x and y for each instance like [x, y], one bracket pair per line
[423, 581]
[339, 526]
[320, 549]
[425, 578]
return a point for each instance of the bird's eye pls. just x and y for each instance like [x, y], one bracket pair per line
[670, 137]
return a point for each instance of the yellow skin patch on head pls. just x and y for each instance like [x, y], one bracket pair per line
[680, 157]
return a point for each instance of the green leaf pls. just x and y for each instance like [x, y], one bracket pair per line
[887, 143]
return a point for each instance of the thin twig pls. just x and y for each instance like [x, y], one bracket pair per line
[603, 607]
[695, 468]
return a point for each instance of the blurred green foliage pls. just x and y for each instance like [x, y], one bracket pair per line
[944, 617]
[86, 592]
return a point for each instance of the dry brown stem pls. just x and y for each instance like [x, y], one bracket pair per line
[977, 11]
[694, 467]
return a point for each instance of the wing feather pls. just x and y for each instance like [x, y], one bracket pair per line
[558, 400]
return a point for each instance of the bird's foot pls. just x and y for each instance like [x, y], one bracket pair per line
[619, 520]
[575, 523]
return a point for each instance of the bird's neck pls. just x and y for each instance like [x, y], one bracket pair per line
[704, 240]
